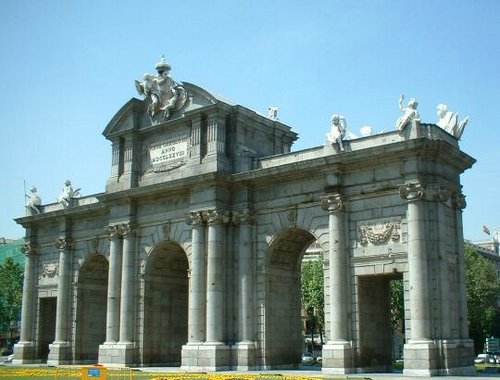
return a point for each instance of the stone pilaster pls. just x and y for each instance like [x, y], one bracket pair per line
[24, 350]
[419, 351]
[114, 292]
[337, 352]
[60, 350]
[246, 345]
[461, 353]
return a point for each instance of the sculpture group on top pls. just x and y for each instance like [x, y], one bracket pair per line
[65, 198]
[448, 121]
[164, 93]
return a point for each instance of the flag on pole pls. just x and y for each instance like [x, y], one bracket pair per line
[486, 230]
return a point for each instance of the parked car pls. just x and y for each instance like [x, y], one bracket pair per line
[308, 359]
[482, 358]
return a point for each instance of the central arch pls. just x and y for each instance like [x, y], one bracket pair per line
[283, 338]
[165, 305]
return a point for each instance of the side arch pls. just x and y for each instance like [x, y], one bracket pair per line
[165, 312]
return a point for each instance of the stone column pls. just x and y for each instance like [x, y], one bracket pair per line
[114, 285]
[127, 312]
[419, 351]
[60, 350]
[337, 353]
[197, 293]
[417, 263]
[24, 350]
[246, 344]
[216, 351]
[114, 291]
[215, 276]
[126, 352]
[197, 288]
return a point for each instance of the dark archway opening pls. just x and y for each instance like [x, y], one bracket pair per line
[165, 306]
[284, 342]
[91, 309]
[381, 321]
[46, 326]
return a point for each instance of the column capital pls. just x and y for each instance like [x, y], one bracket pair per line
[194, 218]
[333, 203]
[29, 248]
[245, 216]
[112, 232]
[127, 229]
[62, 243]
[217, 216]
[412, 191]
[458, 200]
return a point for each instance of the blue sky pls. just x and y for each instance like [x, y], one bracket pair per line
[67, 67]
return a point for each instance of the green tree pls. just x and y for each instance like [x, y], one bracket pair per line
[11, 288]
[483, 288]
[312, 294]
[397, 305]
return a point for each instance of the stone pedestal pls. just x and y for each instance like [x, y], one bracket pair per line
[24, 353]
[338, 358]
[458, 357]
[206, 357]
[114, 354]
[420, 359]
[244, 352]
[215, 357]
[118, 354]
[60, 353]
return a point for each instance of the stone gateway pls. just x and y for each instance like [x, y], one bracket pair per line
[191, 257]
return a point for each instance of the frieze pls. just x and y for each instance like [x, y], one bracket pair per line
[244, 216]
[379, 232]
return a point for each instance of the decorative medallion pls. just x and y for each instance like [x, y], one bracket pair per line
[50, 270]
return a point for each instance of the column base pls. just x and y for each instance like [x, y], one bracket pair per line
[24, 353]
[206, 357]
[118, 354]
[420, 358]
[244, 353]
[338, 358]
[60, 353]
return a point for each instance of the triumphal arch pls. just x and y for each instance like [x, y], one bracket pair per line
[192, 255]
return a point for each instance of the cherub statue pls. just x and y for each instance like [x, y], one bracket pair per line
[410, 113]
[338, 131]
[67, 193]
[449, 121]
[34, 202]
